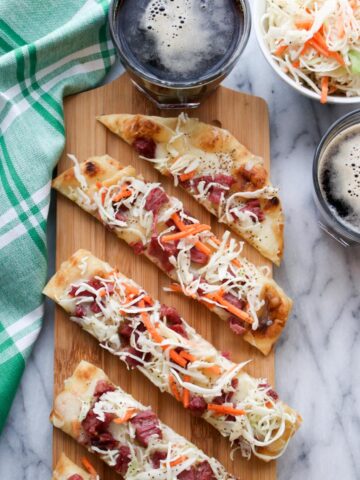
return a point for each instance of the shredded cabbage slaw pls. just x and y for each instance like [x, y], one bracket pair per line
[181, 454]
[316, 43]
[226, 271]
[263, 420]
[172, 160]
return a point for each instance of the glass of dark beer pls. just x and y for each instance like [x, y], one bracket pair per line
[178, 51]
[336, 175]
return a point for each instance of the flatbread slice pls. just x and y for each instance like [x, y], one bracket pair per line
[125, 434]
[156, 340]
[213, 167]
[67, 470]
[206, 268]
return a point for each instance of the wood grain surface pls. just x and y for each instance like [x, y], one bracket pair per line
[247, 118]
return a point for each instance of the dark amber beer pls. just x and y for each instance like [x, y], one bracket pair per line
[336, 174]
[177, 51]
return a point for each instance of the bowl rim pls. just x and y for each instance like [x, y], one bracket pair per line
[258, 7]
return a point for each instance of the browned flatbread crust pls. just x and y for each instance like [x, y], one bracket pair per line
[278, 446]
[102, 169]
[70, 272]
[268, 236]
[78, 388]
[65, 468]
[108, 171]
[278, 306]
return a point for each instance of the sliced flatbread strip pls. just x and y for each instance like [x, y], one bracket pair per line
[125, 434]
[215, 168]
[208, 269]
[156, 340]
[67, 470]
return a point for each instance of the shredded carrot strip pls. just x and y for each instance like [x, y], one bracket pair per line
[218, 297]
[209, 306]
[186, 394]
[175, 287]
[186, 233]
[187, 356]
[130, 290]
[236, 311]
[177, 236]
[178, 461]
[99, 185]
[176, 219]
[124, 193]
[203, 248]
[88, 466]
[268, 404]
[305, 49]
[321, 41]
[324, 89]
[126, 417]
[280, 50]
[318, 43]
[313, 43]
[225, 410]
[147, 299]
[149, 326]
[181, 226]
[177, 359]
[173, 387]
[304, 24]
[296, 64]
[103, 195]
[336, 56]
[213, 370]
[187, 176]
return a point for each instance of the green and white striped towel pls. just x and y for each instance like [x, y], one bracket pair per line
[48, 49]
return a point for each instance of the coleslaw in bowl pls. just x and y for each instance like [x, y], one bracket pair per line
[313, 45]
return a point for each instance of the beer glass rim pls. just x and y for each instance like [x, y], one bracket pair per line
[348, 120]
[168, 83]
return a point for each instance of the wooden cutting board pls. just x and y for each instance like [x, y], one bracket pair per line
[247, 118]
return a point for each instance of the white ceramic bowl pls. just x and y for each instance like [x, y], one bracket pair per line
[258, 10]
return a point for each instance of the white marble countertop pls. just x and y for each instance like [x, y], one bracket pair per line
[318, 357]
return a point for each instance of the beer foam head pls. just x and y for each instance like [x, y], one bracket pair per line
[340, 176]
[187, 32]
